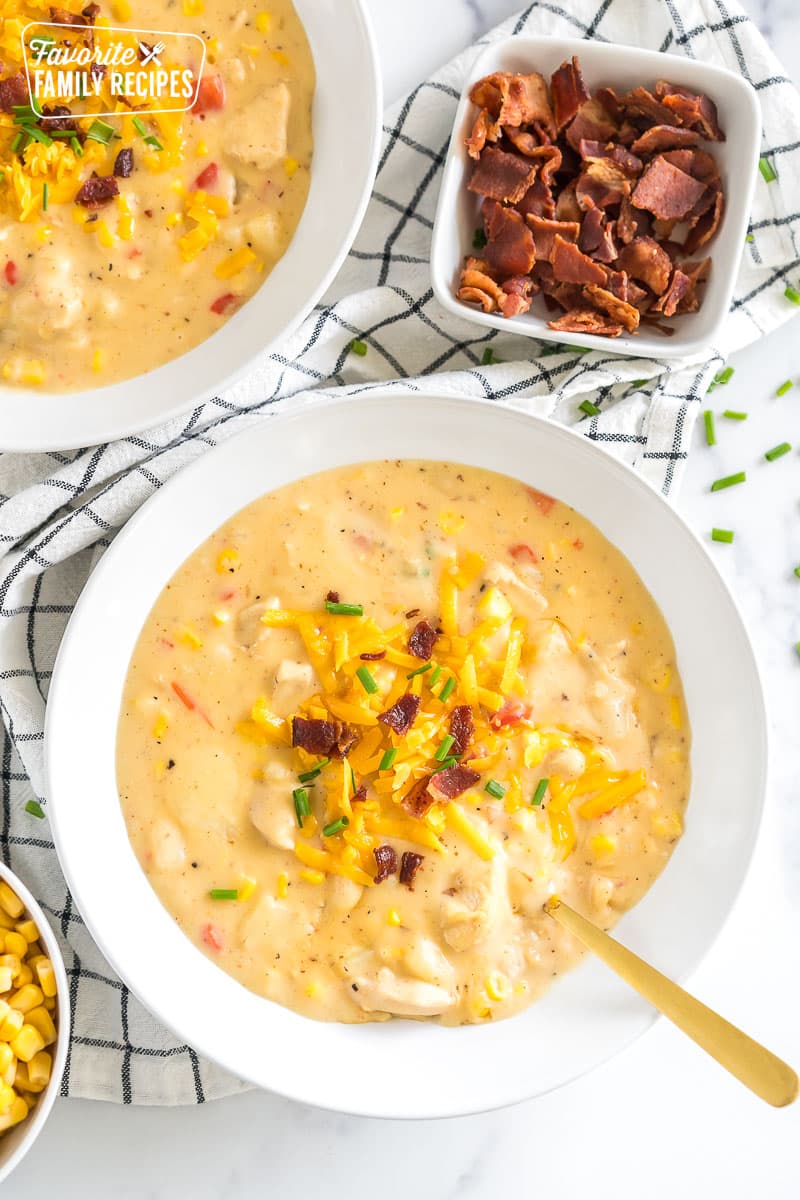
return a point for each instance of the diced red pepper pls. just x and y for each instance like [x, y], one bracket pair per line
[186, 699]
[223, 303]
[523, 553]
[210, 95]
[208, 178]
[166, 642]
[543, 502]
[212, 937]
[228, 594]
[512, 713]
[11, 272]
[578, 543]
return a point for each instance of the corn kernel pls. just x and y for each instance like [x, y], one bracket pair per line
[290, 166]
[193, 8]
[27, 997]
[122, 10]
[40, 1019]
[603, 843]
[498, 986]
[667, 824]
[247, 887]
[675, 714]
[494, 606]
[202, 149]
[393, 917]
[6, 979]
[221, 616]
[17, 1112]
[24, 975]
[39, 1069]
[282, 888]
[27, 1043]
[263, 21]
[15, 944]
[280, 58]
[191, 638]
[228, 560]
[28, 930]
[451, 522]
[161, 726]
[12, 1024]
[312, 876]
[396, 513]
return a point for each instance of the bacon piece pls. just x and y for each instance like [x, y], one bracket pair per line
[591, 150]
[518, 292]
[631, 222]
[410, 863]
[514, 712]
[462, 728]
[97, 190]
[549, 157]
[515, 99]
[332, 597]
[597, 236]
[452, 782]
[695, 110]
[484, 130]
[13, 91]
[386, 861]
[591, 123]
[611, 103]
[60, 120]
[544, 234]
[677, 296]
[664, 137]
[478, 287]
[583, 320]
[537, 201]
[123, 163]
[619, 310]
[502, 176]
[645, 260]
[376, 657]
[332, 739]
[570, 266]
[643, 103]
[403, 713]
[697, 163]
[706, 227]
[509, 249]
[568, 92]
[61, 16]
[418, 799]
[666, 191]
[567, 206]
[422, 639]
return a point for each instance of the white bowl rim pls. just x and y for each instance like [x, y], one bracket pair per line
[59, 700]
[639, 344]
[33, 1125]
[101, 424]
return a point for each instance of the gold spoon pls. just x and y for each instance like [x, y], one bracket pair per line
[752, 1064]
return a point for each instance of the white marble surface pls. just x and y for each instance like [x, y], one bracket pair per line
[661, 1119]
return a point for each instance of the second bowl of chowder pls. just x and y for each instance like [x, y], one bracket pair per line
[383, 709]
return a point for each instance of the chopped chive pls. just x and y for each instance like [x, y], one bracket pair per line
[77, 148]
[728, 481]
[224, 893]
[302, 807]
[444, 748]
[2, 176]
[419, 670]
[538, 795]
[637, 383]
[336, 826]
[100, 131]
[15, 144]
[353, 783]
[153, 141]
[62, 133]
[797, 647]
[45, 197]
[436, 673]
[778, 451]
[784, 388]
[478, 239]
[722, 535]
[749, 237]
[358, 347]
[489, 358]
[495, 789]
[344, 610]
[733, 415]
[450, 761]
[590, 409]
[35, 809]
[767, 171]
[367, 681]
[792, 294]
[724, 376]
[447, 690]
[797, 572]
[388, 758]
[310, 775]
[580, 349]
[711, 434]
[37, 135]
[139, 126]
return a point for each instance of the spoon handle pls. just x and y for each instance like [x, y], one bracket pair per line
[755, 1066]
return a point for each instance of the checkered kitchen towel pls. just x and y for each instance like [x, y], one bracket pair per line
[59, 511]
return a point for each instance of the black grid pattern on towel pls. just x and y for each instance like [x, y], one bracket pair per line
[59, 511]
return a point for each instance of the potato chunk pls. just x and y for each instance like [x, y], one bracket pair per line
[262, 142]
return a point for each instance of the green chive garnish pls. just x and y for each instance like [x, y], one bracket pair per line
[36, 135]
[722, 535]
[16, 143]
[100, 131]
[444, 748]
[367, 681]
[353, 783]
[419, 671]
[35, 809]
[784, 388]
[45, 197]
[344, 610]
[778, 452]
[450, 761]
[797, 572]
[77, 148]
[724, 376]
[489, 358]
[447, 690]
[711, 434]
[357, 347]
[302, 807]
[310, 775]
[336, 826]
[590, 409]
[792, 294]
[139, 126]
[495, 789]
[637, 383]
[436, 673]
[749, 237]
[388, 759]
[733, 415]
[153, 142]
[224, 893]
[728, 481]
[538, 795]
[478, 239]
[766, 169]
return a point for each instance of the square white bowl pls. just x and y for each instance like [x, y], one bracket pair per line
[620, 67]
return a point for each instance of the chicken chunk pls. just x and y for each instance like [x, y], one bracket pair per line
[271, 808]
[168, 848]
[262, 142]
[401, 997]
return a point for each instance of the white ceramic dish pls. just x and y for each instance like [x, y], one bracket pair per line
[621, 67]
[589, 1015]
[16, 1143]
[348, 97]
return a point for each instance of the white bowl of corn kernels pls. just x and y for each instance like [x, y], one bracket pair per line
[34, 1020]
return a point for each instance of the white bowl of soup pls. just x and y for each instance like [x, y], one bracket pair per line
[176, 246]
[343, 729]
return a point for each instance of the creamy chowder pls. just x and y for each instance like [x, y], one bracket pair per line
[128, 239]
[383, 714]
